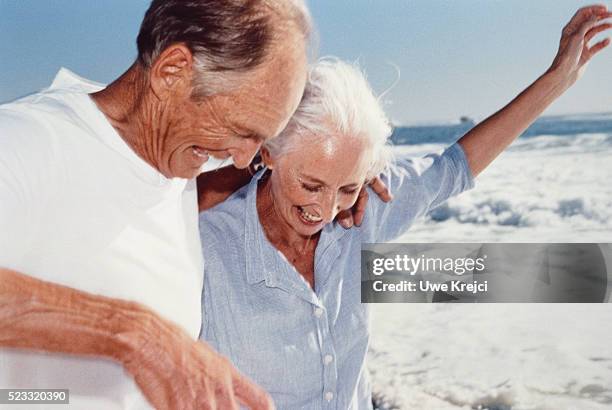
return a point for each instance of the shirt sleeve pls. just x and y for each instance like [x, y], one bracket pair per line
[22, 171]
[418, 186]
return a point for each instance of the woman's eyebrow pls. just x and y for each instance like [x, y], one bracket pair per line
[313, 179]
[318, 181]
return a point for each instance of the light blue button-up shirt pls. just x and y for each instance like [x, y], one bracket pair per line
[307, 347]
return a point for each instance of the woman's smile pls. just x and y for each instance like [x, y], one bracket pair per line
[308, 218]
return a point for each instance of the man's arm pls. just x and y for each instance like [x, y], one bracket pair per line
[41, 316]
[172, 370]
[216, 186]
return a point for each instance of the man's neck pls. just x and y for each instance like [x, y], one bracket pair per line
[127, 104]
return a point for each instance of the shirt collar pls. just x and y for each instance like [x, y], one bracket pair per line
[68, 82]
[255, 269]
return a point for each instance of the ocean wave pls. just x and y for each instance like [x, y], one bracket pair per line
[601, 116]
[492, 356]
[519, 214]
[580, 142]
[545, 187]
[567, 127]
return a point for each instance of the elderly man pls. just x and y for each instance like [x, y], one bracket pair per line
[97, 193]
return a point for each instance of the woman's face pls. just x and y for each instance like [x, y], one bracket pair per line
[318, 178]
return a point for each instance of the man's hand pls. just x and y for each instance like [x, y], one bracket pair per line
[175, 372]
[216, 186]
[354, 216]
[172, 370]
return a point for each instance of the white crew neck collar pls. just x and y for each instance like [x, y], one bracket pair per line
[67, 81]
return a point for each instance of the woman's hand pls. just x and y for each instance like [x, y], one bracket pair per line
[574, 49]
[489, 138]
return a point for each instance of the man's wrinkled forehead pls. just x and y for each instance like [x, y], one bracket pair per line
[265, 105]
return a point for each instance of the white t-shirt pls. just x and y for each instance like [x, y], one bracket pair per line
[78, 207]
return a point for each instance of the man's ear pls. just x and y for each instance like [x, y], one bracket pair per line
[267, 158]
[172, 71]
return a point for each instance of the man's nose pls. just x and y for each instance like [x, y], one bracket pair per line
[244, 155]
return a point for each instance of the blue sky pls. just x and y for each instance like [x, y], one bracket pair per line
[461, 57]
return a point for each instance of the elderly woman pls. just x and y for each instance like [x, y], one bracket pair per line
[282, 283]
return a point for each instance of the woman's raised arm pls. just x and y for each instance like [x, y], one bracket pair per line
[489, 138]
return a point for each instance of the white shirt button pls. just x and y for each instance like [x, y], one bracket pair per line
[329, 396]
[318, 312]
[328, 359]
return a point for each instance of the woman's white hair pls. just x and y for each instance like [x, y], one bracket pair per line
[338, 99]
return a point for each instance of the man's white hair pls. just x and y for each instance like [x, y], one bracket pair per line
[338, 100]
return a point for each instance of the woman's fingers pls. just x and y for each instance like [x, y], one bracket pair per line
[585, 18]
[588, 25]
[593, 22]
[585, 13]
[605, 15]
[596, 30]
[590, 51]
[597, 47]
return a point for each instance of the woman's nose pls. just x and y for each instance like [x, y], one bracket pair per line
[330, 207]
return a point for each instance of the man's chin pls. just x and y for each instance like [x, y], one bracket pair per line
[183, 173]
[190, 174]
[186, 168]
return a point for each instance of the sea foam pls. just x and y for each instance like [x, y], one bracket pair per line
[544, 188]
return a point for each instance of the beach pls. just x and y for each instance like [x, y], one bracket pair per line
[551, 185]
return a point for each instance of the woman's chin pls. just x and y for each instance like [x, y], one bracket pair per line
[310, 231]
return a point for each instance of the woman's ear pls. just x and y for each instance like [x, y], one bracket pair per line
[267, 158]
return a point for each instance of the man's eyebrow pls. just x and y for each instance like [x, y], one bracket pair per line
[248, 133]
[256, 136]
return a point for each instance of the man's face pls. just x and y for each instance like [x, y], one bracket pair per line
[236, 123]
